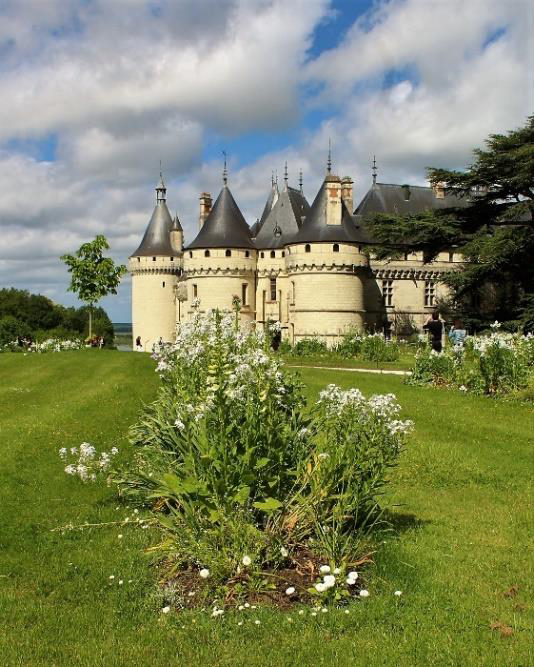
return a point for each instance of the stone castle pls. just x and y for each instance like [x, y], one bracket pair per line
[308, 267]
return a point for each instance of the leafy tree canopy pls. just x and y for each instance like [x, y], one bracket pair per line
[93, 276]
[494, 233]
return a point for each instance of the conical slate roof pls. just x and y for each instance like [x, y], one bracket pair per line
[157, 240]
[315, 230]
[225, 226]
[286, 216]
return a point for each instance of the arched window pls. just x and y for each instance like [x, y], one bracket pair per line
[273, 254]
[335, 247]
[262, 254]
[307, 248]
[153, 259]
[247, 254]
[228, 253]
[190, 254]
[283, 254]
[206, 253]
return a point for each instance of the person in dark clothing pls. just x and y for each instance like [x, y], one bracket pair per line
[434, 326]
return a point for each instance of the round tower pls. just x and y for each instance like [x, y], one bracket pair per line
[326, 267]
[155, 267]
[220, 263]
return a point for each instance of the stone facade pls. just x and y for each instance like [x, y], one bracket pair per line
[313, 273]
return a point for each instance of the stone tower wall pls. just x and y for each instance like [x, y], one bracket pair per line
[153, 299]
[214, 280]
[267, 308]
[326, 296]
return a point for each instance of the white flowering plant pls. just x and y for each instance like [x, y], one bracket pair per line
[495, 364]
[239, 474]
[86, 463]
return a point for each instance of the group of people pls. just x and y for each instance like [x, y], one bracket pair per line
[435, 326]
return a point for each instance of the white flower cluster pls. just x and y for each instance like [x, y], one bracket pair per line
[335, 577]
[87, 463]
[49, 345]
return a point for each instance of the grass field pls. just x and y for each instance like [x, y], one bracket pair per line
[462, 537]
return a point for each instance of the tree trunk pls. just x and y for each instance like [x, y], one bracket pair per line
[90, 321]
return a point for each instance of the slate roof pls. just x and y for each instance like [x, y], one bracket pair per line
[315, 230]
[389, 198]
[225, 226]
[287, 213]
[157, 240]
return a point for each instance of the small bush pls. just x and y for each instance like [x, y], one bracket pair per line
[237, 471]
[375, 348]
[310, 347]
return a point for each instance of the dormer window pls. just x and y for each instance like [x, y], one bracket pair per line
[307, 248]
[262, 254]
[228, 253]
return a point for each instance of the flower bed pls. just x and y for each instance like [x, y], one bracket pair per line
[245, 483]
[49, 345]
[496, 364]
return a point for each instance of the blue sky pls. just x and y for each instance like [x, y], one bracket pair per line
[95, 96]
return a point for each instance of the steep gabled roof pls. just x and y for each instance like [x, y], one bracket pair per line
[225, 226]
[157, 239]
[286, 215]
[315, 230]
[404, 200]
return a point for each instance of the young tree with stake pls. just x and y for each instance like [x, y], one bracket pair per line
[93, 276]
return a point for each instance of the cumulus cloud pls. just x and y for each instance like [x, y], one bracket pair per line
[119, 86]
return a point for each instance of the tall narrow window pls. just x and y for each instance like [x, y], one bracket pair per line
[273, 254]
[292, 291]
[387, 292]
[244, 294]
[247, 253]
[228, 253]
[195, 291]
[307, 248]
[138, 259]
[335, 247]
[163, 284]
[273, 289]
[262, 254]
[190, 254]
[172, 259]
[153, 259]
[206, 253]
[430, 293]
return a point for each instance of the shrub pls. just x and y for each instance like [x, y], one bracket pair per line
[375, 348]
[11, 329]
[236, 470]
[310, 347]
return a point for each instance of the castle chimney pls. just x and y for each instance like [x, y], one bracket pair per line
[205, 207]
[346, 192]
[333, 200]
[177, 236]
[439, 189]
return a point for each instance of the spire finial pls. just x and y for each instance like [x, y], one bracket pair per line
[374, 170]
[272, 178]
[160, 188]
[285, 175]
[225, 171]
[300, 180]
[329, 161]
[276, 177]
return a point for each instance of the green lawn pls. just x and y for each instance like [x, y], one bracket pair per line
[462, 538]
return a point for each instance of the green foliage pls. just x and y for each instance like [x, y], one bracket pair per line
[495, 233]
[230, 456]
[496, 364]
[43, 319]
[309, 347]
[93, 275]
[11, 328]
[375, 348]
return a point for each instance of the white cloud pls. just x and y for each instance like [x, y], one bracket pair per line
[125, 84]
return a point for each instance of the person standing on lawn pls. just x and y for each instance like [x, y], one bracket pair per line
[434, 326]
